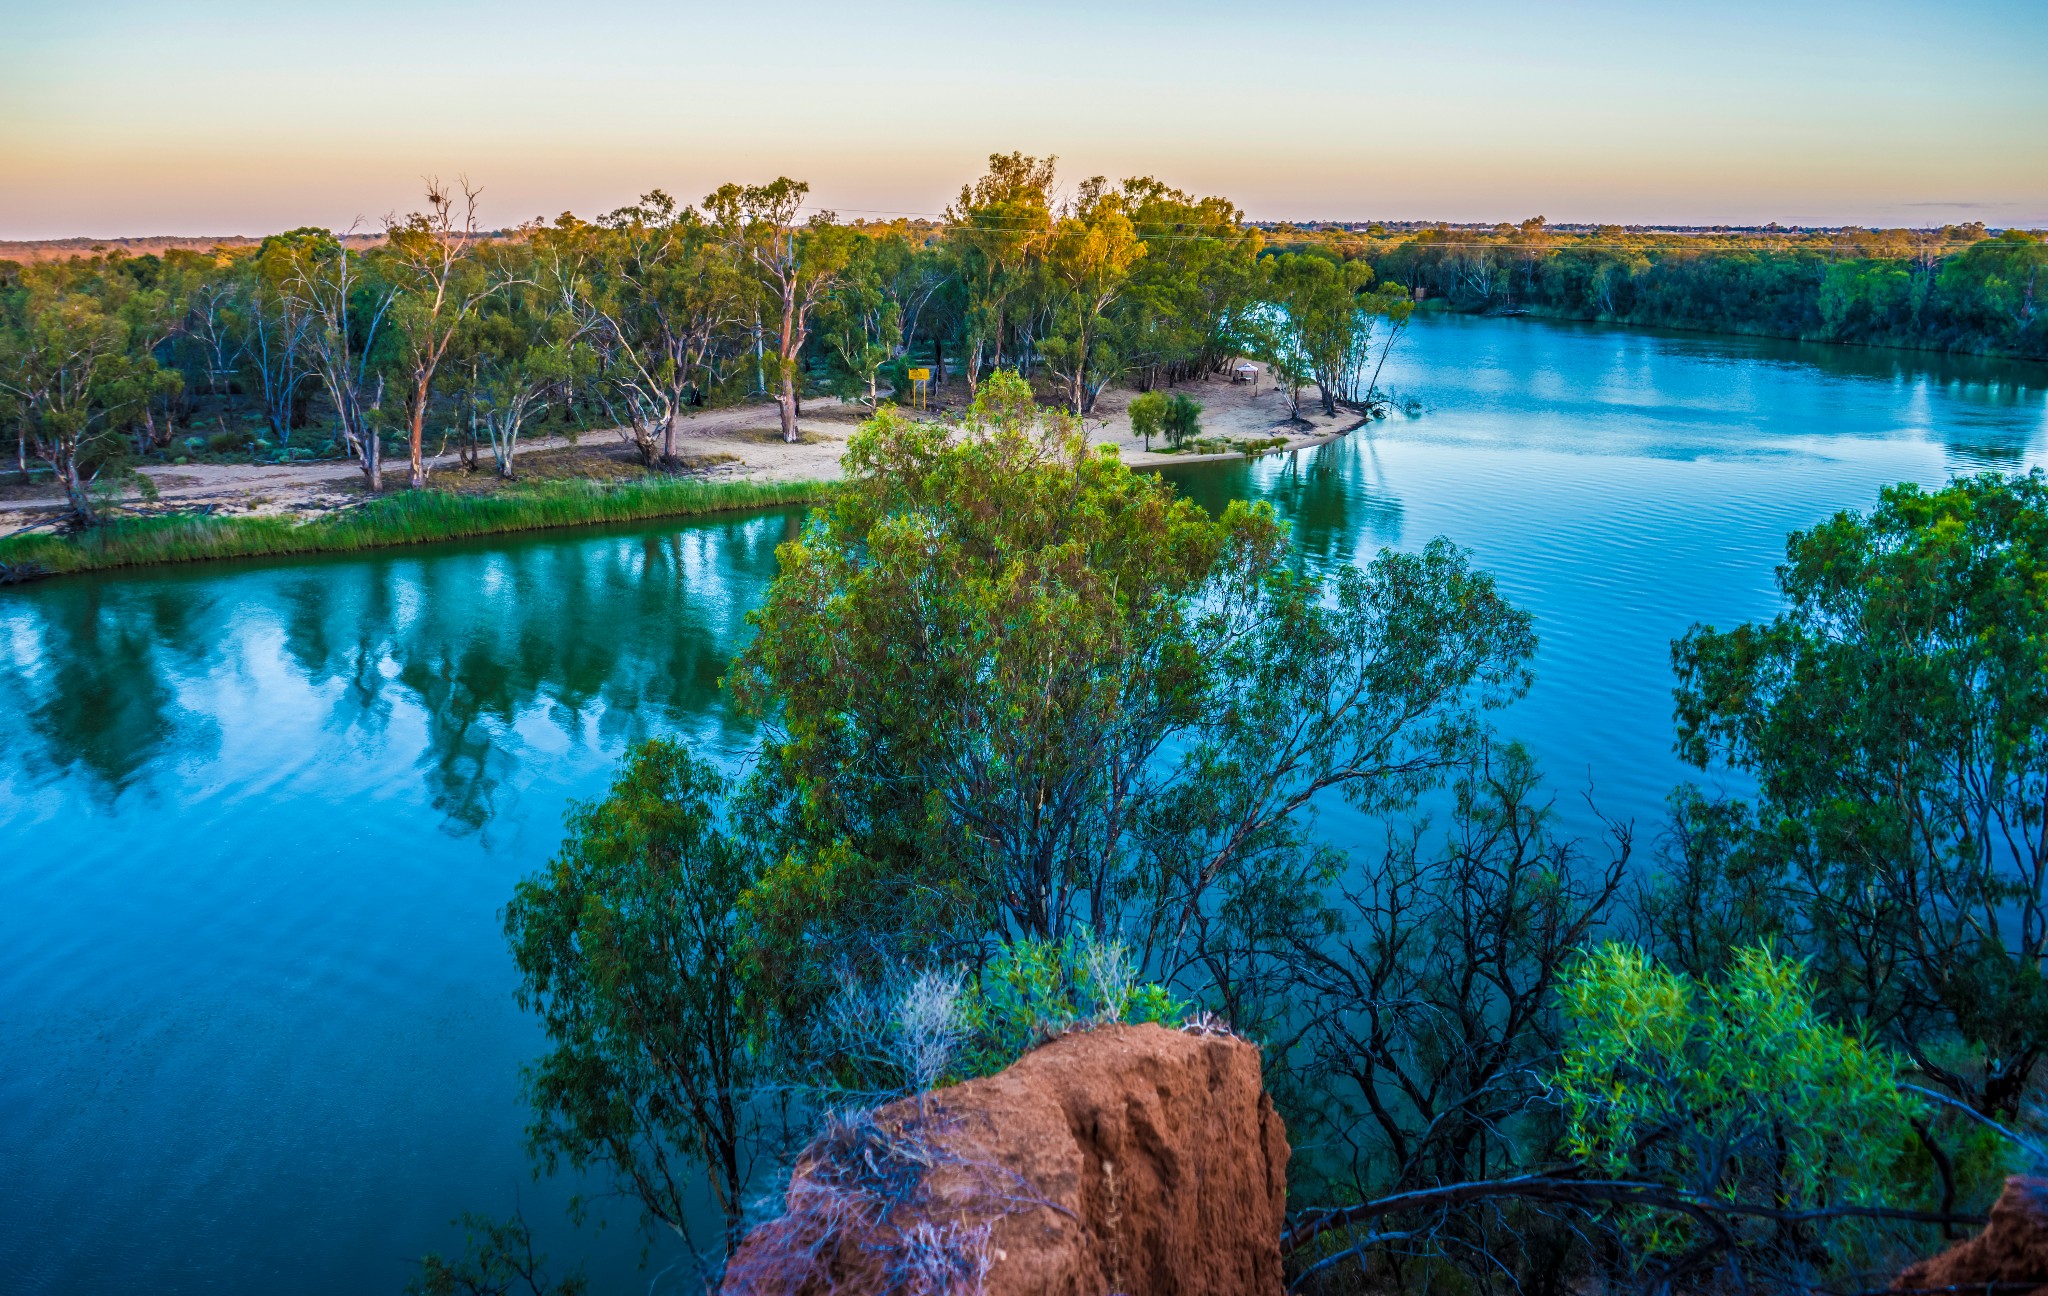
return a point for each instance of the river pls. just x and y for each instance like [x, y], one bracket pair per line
[257, 819]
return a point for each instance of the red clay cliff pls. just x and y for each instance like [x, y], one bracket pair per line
[1128, 1159]
[2011, 1252]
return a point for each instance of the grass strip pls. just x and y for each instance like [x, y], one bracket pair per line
[414, 517]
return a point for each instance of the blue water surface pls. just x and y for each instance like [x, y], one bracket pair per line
[257, 820]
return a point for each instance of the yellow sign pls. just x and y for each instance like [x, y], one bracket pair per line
[920, 375]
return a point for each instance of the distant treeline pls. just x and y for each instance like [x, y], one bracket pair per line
[433, 330]
[1958, 288]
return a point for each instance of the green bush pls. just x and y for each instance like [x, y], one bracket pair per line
[1738, 1090]
[1148, 415]
[1182, 420]
[1034, 990]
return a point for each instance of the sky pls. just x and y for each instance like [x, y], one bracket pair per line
[205, 117]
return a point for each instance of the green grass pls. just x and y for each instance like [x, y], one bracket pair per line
[415, 517]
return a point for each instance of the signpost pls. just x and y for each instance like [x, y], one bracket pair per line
[920, 385]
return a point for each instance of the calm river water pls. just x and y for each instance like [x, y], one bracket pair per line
[256, 820]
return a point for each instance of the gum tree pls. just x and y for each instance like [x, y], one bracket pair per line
[794, 264]
[319, 280]
[1895, 719]
[1018, 689]
[997, 231]
[430, 259]
[71, 367]
[1089, 257]
[658, 296]
[525, 350]
[627, 951]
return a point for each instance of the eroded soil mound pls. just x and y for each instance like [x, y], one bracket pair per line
[2009, 1254]
[1128, 1159]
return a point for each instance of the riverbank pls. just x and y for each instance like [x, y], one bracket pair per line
[735, 459]
[412, 517]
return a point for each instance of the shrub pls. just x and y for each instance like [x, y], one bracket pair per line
[1181, 419]
[1035, 989]
[938, 1026]
[1148, 415]
[1737, 1090]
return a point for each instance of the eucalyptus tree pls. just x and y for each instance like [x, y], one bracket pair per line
[1393, 306]
[1089, 258]
[71, 366]
[217, 312]
[318, 278]
[1016, 688]
[793, 265]
[1275, 336]
[430, 259]
[1895, 719]
[1189, 300]
[996, 233]
[912, 273]
[628, 950]
[860, 324]
[658, 299]
[1322, 322]
[150, 295]
[277, 348]
[524, 350]
[14, 356]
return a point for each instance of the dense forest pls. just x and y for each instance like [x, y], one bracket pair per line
[433, 333]
[1952, 289]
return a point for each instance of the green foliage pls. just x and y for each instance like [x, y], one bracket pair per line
[1148, 415]
[860, 324]
[1735, 1090]
[1181, 420]
[1321, 325]
[999, 227]
[1033, 990]
[1894, 720]
[522, 351]
[1017, 689]
[653, 291]
[628, 952]
[789, 267]
[1089, 258]
[77, 373]
[1953, 289]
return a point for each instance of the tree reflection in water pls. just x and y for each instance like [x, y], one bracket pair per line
[600, 639]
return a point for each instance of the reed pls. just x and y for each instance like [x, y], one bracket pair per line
[415, 517]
